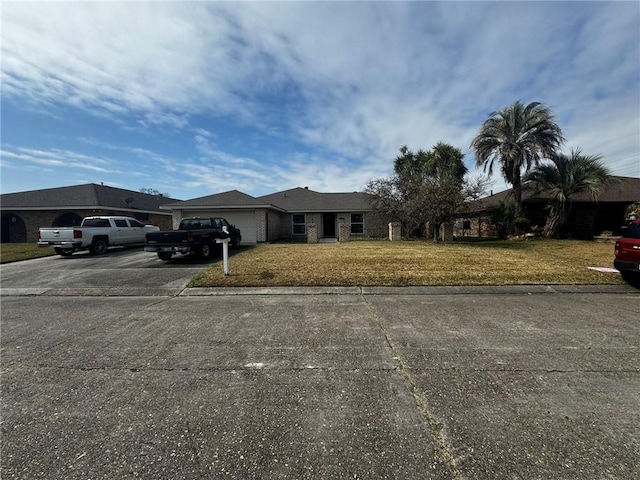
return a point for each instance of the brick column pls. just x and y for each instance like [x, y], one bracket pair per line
[394, 231]
[344, 232]
[312, 233]
[446, 231]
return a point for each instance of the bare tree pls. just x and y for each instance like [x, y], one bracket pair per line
[153, 191]
[427, 186]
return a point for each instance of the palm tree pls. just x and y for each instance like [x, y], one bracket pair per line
[517, 137]
[562, 176]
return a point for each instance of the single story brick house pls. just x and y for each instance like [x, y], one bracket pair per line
[586, 219]
[298, 213]
[23, 213]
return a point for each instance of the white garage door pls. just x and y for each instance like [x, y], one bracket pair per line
[245, 221]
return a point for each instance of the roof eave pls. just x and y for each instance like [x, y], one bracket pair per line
[220, 207]
[83, 207]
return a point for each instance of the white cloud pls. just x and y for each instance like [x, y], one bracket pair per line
[348, 82]
[55, 158]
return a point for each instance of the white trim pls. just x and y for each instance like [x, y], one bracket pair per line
[223, 207]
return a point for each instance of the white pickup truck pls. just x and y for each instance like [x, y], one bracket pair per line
[95, 233]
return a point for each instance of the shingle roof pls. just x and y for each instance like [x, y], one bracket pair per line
[305, 200]
[89, 195]
[624, 189]
[293, 200]
[230, 199]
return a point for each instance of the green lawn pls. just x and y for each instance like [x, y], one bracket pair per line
[370, 263]
[12, 252]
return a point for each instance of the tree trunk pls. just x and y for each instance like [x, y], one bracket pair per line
[436, 232]
[555, 220]
[517, 192]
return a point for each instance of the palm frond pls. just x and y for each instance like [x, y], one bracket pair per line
[564, 175]
[518, 137]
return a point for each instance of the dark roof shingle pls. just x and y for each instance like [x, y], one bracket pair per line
[89, 195]
[305, 200]
[623, 189]
[232, 198]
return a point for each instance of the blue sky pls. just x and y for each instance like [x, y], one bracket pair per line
[196, 98]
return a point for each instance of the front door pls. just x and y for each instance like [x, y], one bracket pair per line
[329, 225]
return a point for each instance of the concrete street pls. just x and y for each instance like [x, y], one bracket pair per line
[158, 381]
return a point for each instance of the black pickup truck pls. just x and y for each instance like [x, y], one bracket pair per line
[194, 235]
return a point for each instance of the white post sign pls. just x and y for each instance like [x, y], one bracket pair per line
[225, 254]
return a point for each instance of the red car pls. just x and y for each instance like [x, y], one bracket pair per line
[627, 252]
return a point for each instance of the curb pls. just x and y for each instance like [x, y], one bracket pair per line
[240, 291]
[444, 290]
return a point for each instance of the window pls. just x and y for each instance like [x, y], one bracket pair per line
[189, 223]
[357, 223]
[135, 223]
[299, 224]
[96, 222]
[121, 223]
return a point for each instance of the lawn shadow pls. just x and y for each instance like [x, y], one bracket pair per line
[216, 256]
[494, 242]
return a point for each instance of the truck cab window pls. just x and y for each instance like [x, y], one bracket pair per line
[96, 222]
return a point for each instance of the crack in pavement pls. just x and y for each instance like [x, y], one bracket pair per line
[436, 428]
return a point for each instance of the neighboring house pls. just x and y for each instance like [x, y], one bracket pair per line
[586, 219]
[23, 213]
[289, 214]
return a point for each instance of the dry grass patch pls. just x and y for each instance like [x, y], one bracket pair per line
[383, 263]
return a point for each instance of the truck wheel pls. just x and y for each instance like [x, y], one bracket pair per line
[205, 250]
[98, 247]
[235, 241]
[64, 252]
[165, 255]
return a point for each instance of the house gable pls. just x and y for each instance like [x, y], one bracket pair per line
[230, 199]
[305, 200]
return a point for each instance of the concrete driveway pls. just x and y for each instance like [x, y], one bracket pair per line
[320, 383]
[121, 271]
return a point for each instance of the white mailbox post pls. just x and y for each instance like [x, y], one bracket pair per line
[225, 254]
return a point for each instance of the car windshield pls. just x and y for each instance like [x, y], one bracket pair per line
[632, 231]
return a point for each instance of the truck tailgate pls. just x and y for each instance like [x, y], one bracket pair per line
[175, 237]
[57, 234]
[628, 250]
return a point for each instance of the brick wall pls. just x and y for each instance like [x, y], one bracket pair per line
[312, 233]
[480, 227]
[261, 225]
[344, 232]
[25, 228]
